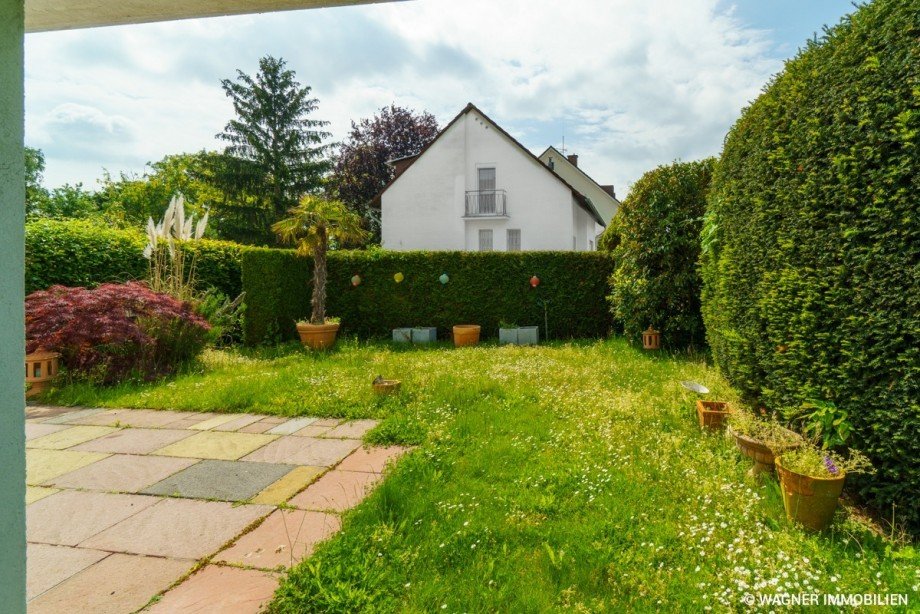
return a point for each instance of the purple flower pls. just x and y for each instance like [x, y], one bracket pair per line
[831, 467]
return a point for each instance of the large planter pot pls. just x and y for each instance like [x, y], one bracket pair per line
[762, 455]
[387, 387]
[424, 335]
[712, 414]
[317, 336]
[808, 500]
[507, 336]
[466, 334]
[402, 335]
[41, 368]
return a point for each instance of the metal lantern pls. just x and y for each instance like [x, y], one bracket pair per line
[398, 278]
[443, 279]
[41, 368]
[651, 339]
[356, 280]
[534, 281]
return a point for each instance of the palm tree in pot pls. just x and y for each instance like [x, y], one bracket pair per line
[312, 225]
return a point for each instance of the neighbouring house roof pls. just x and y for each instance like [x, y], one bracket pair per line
[605, 188]
[405, 163]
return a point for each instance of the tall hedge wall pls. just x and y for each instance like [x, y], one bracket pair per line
[484, 288]
[811, 258]
[83, 253]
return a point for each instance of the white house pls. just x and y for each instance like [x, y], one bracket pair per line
[475, 188]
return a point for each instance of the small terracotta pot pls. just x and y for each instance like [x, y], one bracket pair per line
[317, 336]
[387, 387]
[712, 414]
[758, 452]
[466, 334]
[41, 368]
[808, 500]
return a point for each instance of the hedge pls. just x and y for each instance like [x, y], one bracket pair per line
[811, 248]
[83, 253]
[483, 288]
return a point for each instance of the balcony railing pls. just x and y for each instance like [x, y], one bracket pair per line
[486, 203]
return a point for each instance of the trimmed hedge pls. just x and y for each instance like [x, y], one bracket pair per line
[83, 253]
[811, 248]
[484, 288]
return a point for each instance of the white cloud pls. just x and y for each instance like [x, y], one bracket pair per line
[634, 84]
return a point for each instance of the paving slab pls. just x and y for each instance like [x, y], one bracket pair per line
[282, 540]
[186, 423]
[207, 425]
[123, 473]
[288, 486]
[371, 460]
[296, 450]
[70, 517]
[238, 423]
[134, 441]
[73, 414]
[336, 491]
[42, 465]
[330, 422]
[35, 430]
[69, 437]
[43, 412]
[136, 418]
[219, 590]
[221, 480]
[178, 528]
[47, 566]
[36, 493]
[216, 446]
[312, 431]
[257, 427]
[291, 426]
[354, 429]
[117, 584]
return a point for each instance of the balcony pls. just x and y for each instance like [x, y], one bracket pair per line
[486, 203]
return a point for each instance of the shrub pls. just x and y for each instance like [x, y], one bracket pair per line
[483, 288]
[812, 243]
[115, 331]
[657, 246]
[84, 253]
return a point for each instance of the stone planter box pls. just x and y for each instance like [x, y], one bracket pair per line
[424, 335]
[402, 335]
[524, 335]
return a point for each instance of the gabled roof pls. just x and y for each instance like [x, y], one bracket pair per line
[583, 201]
[562, 156]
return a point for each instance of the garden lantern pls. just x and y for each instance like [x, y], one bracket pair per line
[534, 281]
[651, 339]
[41, 368]
[356, 280]
[443, 279]
[398, 278]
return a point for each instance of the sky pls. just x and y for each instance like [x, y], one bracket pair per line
[629, 84]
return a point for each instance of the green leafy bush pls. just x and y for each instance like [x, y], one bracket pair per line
[811, 255]
[86, 253]
[656, 247]
[483, 288]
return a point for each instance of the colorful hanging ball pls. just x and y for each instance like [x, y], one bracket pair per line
[398, 278]
[443, 279]
[534, 281]
[356, 280]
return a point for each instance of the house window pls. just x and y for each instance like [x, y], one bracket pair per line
[514, 239]
[485, 240]
[552, 164]
[487, 190]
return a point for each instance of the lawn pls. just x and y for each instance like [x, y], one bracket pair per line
[564, 476]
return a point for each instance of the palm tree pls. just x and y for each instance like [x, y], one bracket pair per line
[312, 224]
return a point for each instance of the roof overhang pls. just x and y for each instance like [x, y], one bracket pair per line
[45, 15]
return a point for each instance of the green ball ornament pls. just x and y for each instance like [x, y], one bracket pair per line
[443, 279]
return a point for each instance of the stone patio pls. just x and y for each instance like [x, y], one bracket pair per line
[123, 504]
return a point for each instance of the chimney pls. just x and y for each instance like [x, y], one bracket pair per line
[609, 190]
[573, 159]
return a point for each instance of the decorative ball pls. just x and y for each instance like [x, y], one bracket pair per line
[399, 277]
[534, 281]
[356, 280]
[443, 278]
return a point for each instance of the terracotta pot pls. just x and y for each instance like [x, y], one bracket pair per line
[41, 368]
[756, 450]
[387, 387]
[712, 414]
[317, 336]
[466, 334]
[808, 500]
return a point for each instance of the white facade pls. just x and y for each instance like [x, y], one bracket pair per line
[450, 198]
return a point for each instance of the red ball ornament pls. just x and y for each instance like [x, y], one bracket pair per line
[534, 281]
[356, 280]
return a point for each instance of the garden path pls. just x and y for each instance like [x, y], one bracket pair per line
[201, 509]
